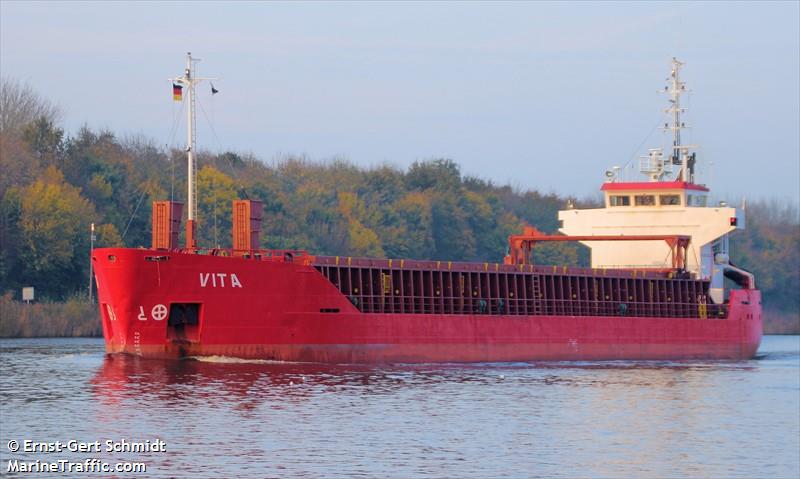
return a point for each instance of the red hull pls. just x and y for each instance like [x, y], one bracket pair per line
[272, 310]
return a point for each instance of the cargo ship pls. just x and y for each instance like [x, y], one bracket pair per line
[660, 285]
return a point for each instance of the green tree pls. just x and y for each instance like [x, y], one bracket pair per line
[46, 141]
[556, 254]
[407, 227]
[108, 236]
[452, 235]
[440, 174]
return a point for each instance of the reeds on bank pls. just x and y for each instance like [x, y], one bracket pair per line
[75, 317]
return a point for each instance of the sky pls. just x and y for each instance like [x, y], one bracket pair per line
[544, 96]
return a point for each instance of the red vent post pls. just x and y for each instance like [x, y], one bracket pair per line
[246, 225]
[166, 219]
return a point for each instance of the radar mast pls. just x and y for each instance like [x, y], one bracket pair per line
[654, 164]
[680, 153]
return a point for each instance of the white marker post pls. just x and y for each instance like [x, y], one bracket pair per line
[27, 294]
[92, 237]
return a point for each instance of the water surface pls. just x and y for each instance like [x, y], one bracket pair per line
[222, 418]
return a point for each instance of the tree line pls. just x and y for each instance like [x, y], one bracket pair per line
[54, 185]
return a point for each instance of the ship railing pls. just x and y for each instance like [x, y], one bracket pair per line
[638, 267]
[389, 304]
[275, 255]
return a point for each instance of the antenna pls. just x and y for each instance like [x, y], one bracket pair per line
[188, 80]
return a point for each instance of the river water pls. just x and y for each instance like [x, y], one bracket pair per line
[222, 418]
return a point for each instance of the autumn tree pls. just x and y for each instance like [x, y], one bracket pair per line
[18, 164]
[216, 192]
[361, 240]
[52, 249]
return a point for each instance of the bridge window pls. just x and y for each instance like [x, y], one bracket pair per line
[645, 200]
[697, 200]
[669, 200]
[616, 200]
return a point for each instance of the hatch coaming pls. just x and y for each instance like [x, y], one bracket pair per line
[433, 288]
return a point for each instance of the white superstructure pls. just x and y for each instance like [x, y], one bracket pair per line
[661, 206]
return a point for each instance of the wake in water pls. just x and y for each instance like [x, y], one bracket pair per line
[233, 360]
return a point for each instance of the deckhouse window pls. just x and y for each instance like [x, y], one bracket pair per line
[618, 200]
[645, 200]
[697, 200]
[669, 200]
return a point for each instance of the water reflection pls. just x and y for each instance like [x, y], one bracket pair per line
[246, 386]
[210, 380]
[123, 376]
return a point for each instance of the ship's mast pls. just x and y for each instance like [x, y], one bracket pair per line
[188, 81]
[680, 153]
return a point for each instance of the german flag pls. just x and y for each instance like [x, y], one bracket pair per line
[177, 92]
